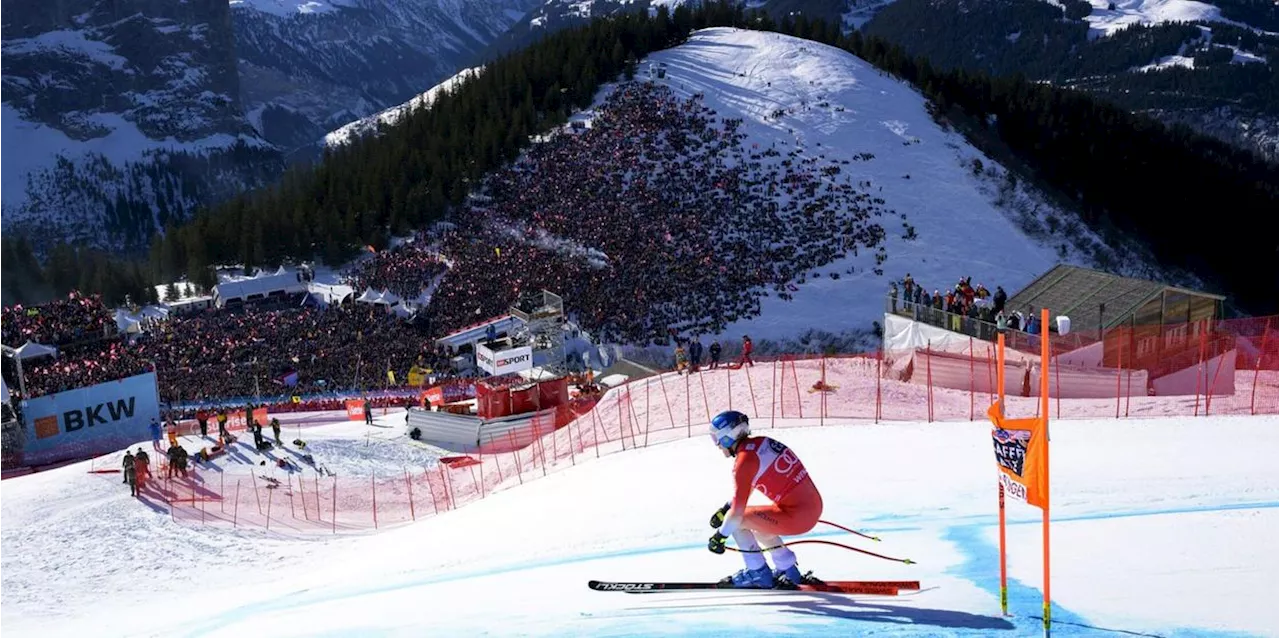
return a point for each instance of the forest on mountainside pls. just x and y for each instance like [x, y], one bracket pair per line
[1043, 42]
[1195, 201]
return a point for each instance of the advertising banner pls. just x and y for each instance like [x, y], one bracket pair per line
[504, 361]
[91, 420]
[355, 409]
[1021, 457]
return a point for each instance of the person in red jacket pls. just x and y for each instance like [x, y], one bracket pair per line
[745, 359]
[764, 464]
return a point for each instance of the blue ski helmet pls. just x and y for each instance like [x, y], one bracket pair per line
[729, 426]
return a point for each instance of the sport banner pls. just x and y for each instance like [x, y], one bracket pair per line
[90, 420]
[1020, 448]
[504, 361]
[355, 409]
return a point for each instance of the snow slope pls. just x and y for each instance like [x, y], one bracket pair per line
[841, 107]
[1162, 527]
[1104, 20]
[391, 116]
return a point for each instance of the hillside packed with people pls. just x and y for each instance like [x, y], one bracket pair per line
[249, 353]
[656, 219]
[656, 215]
[406, 270]
[78, 317]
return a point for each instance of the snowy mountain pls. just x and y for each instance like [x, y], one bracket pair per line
[372, 124]
[1211, 66]
[809, 111]
[307, 67]
[120, 117]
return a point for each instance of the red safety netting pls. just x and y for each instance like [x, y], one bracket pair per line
[1233, 372]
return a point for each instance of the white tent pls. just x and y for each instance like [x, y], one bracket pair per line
[4, 391]
[388, 297]
[32, 350]
[330, 293]
[260, 285]
[402, 311]
[369, 296]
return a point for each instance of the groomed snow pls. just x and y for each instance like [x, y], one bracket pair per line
[1162, 526]
[840, 107]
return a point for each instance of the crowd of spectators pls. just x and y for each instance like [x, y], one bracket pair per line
[963, 307]
[250, 352]
[79, 317]
[657, 219]
[658, 215]
[406, 270]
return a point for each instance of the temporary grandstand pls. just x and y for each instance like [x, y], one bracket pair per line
[1098, 302]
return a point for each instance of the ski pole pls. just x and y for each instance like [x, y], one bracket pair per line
[851, 531]
[906, 561]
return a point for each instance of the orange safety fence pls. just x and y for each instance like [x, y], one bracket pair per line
[1232, 373]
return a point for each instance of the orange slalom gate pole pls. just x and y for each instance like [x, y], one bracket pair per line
[1044, 401]
[1004, 574]
[1004, 579]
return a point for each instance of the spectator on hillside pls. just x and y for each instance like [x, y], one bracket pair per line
[745, 359]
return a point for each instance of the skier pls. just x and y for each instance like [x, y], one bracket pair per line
[764, 464]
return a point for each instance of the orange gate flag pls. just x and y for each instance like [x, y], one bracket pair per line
[1020, 448]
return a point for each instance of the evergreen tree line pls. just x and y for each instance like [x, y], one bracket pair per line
[1195, 201]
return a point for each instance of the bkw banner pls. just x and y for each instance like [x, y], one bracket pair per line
[90, 420]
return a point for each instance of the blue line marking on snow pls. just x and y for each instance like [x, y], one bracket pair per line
[978, 555]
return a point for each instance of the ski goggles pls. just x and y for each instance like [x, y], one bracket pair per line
[723, 440]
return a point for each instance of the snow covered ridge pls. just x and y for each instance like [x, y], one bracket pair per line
[110, 112]
[389, 117]
[970, 218]
[309, 67]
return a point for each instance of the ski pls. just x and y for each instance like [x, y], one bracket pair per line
[864, 587]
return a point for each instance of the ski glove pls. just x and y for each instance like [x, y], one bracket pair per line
[717, 519]
[716, 544]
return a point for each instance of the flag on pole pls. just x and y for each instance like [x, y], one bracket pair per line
[1021, 455]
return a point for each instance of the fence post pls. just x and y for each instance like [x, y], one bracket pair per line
[1199, 375]
[706, 401]
[511, 439]
[879, 373]
[728, 384]
[688, 409]
[409, 484]
[622, 436]
[663, 385]
[293, 507]
[235, 509]
[335, 505]
[373, 482]
[928, 375]
[222, 492]
[971, 373]
[302, 494]
[1057, 379]
[1262, 352]
[647, 385]
[773, 392]
[270, 497]
[822, 394]
[1120, 369]
[256, 494]
[596, 427]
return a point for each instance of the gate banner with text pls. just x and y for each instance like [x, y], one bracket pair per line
[90, 420]
[1020, 455]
